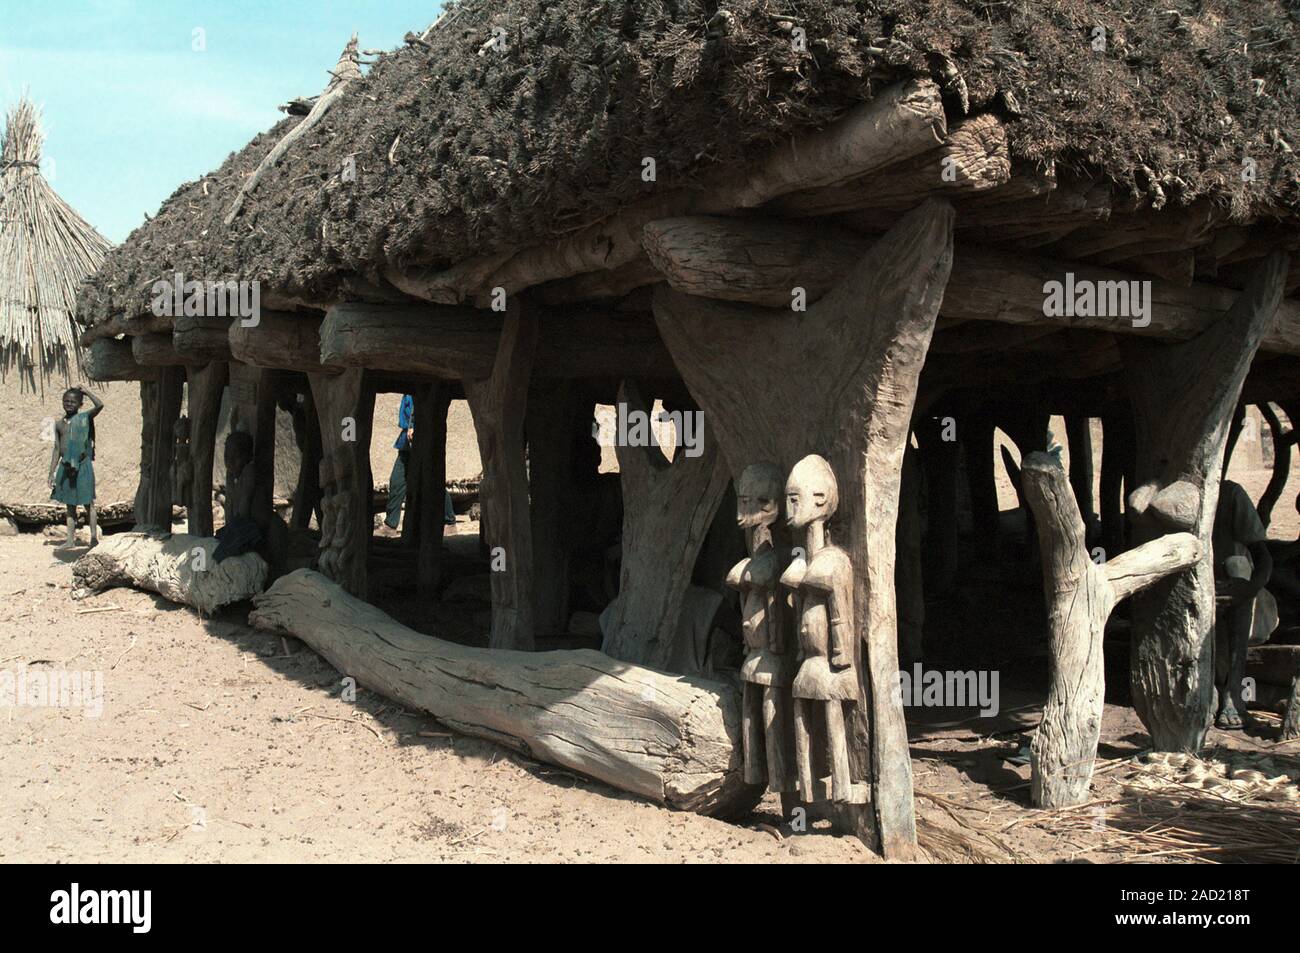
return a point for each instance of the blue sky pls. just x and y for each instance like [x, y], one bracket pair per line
[131, 109]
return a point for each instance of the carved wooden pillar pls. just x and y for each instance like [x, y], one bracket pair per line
[206, 384]
[839, 380]
[1078, 432]
[667, 510]
[977, 433]
[498, 405]
[345, 408]
[1184, 395]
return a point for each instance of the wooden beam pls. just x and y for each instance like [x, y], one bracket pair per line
[459, 343]
[901, 121]
[972, 159]
[709, 256]
[155, 350]
[110, 359]
[283, 340]
[202, 340]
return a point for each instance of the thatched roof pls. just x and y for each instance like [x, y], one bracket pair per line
[46, 251]
[460, 153]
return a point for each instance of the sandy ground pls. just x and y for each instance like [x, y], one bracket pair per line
[215, 745]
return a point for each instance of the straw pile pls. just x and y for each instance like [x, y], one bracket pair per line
[46, 250]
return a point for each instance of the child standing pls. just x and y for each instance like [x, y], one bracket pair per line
[72, 468]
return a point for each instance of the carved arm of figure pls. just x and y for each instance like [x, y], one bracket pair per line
[839, 612]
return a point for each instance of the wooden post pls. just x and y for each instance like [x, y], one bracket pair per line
[171, 382]
[1283, 441]
[841, 380]
[1080, 595]
[345, 408]
[430, 451]
[148, 425]
[252, 402]
[498, 405]
[1184, 395]
[549, 429]
[307, 494]
[1078, 434]
[667, 510]
[206, 385]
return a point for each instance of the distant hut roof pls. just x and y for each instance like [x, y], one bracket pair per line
[46, 251]
[460, 152]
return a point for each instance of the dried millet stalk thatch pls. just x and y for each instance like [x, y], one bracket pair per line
[46, 250]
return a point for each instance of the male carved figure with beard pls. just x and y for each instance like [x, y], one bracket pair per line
[769, 667]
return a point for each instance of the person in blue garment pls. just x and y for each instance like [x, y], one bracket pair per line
[397, 479]
[72, 461]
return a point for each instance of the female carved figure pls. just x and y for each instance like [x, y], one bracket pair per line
[768, 668]
[822, 580]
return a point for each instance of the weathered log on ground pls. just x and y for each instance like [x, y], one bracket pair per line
[1080, 596]
[108, 359]
[178, 567]
[1183, 398]
[670, 739]
[107, 515]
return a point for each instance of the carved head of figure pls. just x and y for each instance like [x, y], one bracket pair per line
[811, 493]
[181, 433]
[758, 495]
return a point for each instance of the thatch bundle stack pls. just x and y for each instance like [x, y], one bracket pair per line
[46, 249]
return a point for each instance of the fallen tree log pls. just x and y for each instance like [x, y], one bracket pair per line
[177, 566]
[671, 739]
[107, 515]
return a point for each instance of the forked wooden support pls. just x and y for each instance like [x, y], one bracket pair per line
[840, 380]
[1184, 395]
[498, 405]
[1080, 596]
[667, 510]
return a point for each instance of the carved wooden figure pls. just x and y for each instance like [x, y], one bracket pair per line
[822, 579]
[768, 669]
